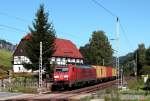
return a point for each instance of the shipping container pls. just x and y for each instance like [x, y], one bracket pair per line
[114, 73]
[108, 72]
[100, 71]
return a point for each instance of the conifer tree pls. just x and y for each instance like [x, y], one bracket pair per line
[148, 56]
[141, 58]
[42, 31]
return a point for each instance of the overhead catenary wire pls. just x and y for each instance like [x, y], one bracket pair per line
[124, 33]
[107, 10]
[2, 26]
[13, 28]
[13, 17]
[114, 15]
[23, 20]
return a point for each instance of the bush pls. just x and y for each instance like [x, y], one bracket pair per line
[146, 69]
[107, 98]
[136, 84]
[108, 91]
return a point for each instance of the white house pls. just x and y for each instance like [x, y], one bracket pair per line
[66, 52]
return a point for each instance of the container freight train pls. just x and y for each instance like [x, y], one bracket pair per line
[77, 75]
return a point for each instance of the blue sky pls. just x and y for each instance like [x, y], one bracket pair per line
[77, 19]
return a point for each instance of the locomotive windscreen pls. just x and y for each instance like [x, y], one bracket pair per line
[62, 69]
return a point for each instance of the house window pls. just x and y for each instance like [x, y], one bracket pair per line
[53, 59]
[81, 61]
[63, 59]
[18, 60]
[19, 68]
[58, 62]
[68, 59]
[58, 59]
[73, 60]
[77, 60]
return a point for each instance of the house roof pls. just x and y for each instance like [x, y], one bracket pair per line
[64, 48]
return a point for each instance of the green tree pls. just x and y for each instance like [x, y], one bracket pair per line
[85, 50]
[98, 49]
[128, 63]
[148, 56]
[141, 58]
[44, 32]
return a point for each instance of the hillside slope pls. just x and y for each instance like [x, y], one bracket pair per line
[5, 59]
[7, 45]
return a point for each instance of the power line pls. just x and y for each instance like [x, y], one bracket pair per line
[114, 15]
[107, 10]
[123, 31]
[11, 16]
[13, 28]
[76, 37]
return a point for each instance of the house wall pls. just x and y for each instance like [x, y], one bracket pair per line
[19, 60]
[18, 64]
[20, 68]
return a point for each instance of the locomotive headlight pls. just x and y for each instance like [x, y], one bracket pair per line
[65, 76]
[56, 76]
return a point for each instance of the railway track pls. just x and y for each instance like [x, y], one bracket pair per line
[64, 95]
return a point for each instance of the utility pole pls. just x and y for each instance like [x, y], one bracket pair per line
[136, 64]
[103, 62]
[117, 53]
[121, 76]
[40, 67]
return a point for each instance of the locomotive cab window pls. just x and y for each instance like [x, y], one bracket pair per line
[61, 69]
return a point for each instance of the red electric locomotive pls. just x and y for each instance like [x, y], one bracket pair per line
[70, 75]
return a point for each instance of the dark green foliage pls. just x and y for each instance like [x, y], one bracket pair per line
[97, 50]
[147, 86]
[85, 50]
[128, 68]
[42, 31]
[141, 60]
[145, 69]
[126, 58]
[148, 56]
[128, 63]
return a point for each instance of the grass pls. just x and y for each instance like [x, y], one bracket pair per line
[23, 90]
[133, 92]
[136, 84]
[20, 89]
[135, 87]
[22, 84]
[5, 59]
